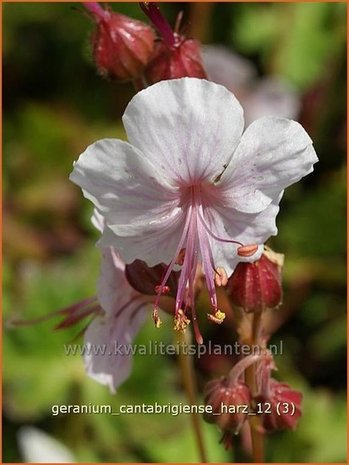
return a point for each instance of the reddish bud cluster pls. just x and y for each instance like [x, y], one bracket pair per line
[122, 46]
[285, 406]
[256, 286]
[181, 60]
[229, 404]
[278, 405]
[174, 56]
[125, 49]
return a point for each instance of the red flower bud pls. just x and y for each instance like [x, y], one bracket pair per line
[183, 59]
[257, 286]
[122, 46]
[174, 55]
[281, 406]
[230, 403]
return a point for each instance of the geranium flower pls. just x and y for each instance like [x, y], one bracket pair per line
[190, 188]
[108, 338]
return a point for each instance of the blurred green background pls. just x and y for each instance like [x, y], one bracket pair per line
[55, 104]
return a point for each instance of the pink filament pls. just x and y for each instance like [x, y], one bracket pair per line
[195, 240]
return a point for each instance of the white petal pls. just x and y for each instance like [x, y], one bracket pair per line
[273, 154]
[153, 242]
[121, 183]
[114, 291]
[97, 220]
[247, 228]
[188, 128]
[36, 446]
[125, 313]
[108, 333]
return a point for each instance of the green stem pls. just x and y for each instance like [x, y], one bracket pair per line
[257, 435]
[189, 383]
[256, 327]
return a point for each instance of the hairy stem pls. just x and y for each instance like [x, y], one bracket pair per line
[96, 9]
[189, 383]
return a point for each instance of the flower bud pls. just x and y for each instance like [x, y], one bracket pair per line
[230, 403]
[174, 56]
[122, 46]
[181, 60]
[282, 406]
[257, 286]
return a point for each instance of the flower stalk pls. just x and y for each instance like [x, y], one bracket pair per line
[96, 10]
[160, 22]
[255, 421]
[189, 383]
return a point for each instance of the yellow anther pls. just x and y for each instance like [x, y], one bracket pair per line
[218, 317]
[156, 318]
[181, 321]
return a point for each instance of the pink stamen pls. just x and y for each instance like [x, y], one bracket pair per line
[194, 245]
[219, 239]
[208, 266]
[173, 262]
[198, 337]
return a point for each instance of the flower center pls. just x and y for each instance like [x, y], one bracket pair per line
[194, 248]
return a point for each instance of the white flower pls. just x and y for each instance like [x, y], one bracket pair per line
[189, 187]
